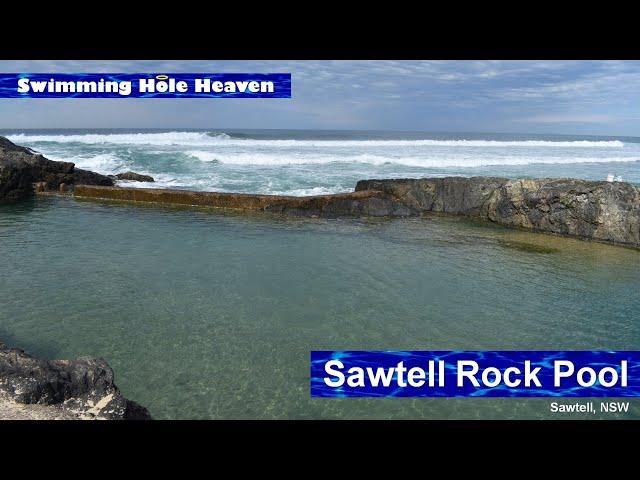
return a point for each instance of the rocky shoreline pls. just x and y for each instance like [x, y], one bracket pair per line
[21, 168]
[600, 211]
[603, 211]
[82, 389]
[607, 212]
[23, 171]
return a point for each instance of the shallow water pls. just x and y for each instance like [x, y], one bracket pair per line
[204, 314]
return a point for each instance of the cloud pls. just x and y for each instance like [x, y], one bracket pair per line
[569, 96]
[566, 118]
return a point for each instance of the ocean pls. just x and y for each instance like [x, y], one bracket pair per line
[307, 162]
[205, 314]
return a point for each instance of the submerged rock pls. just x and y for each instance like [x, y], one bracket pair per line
[21, 167]
[83, 387]
[528, 247]
[135, 177]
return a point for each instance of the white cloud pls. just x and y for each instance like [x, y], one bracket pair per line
[410, 95]
[566, 118]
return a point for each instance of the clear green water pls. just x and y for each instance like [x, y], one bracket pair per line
[210, 315]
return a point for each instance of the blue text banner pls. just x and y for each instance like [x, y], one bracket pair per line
[475, 374]
[145, 85]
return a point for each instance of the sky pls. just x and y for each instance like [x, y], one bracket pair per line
[564, 97]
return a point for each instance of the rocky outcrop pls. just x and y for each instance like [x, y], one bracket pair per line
[134, 177]
[603, 211]
[21, 167]
[87, 177]
[83, 387]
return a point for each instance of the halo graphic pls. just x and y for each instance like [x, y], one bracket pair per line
[162, 77]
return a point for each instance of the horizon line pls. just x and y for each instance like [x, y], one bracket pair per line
[222, 129]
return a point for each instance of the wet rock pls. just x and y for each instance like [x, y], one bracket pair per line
[21, 167]
[15, 180]
[84, 387]
[355, 204]
[133, 176]
[456, 195]
[87, 177]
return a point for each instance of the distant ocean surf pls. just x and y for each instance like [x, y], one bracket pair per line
[295, 162]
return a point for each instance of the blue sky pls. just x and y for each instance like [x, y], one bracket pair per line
[571, 97]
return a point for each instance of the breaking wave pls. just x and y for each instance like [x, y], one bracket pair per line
[411, 161]
[290, 165]
[219, 138]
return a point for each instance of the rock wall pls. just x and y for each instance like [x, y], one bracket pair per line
[83, 387]
[603, 211]
[366, 203]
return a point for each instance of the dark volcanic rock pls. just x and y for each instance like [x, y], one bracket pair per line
[15, 180]
[87, 177]
[20, 167]
[603, 211]
[133, 176]
[83, 386]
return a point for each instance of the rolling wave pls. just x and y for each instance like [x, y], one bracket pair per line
[219, 138]
[109, 163]
[105, 163]
[439, 161]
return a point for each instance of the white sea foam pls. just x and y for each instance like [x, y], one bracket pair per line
[211, 184]
[167, 138]
[204, 139]
[105, 163]
[202, 155]
[305, 192]
[108, 163]
[191, 182]
[439, 161]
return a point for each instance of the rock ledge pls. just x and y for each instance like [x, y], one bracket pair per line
[83, 388]
[601, 211]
